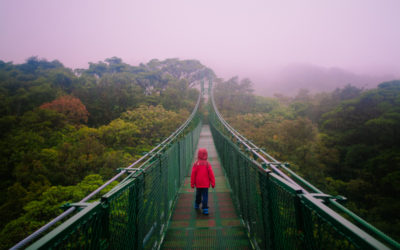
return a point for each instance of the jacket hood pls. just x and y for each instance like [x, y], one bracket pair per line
[202, 154]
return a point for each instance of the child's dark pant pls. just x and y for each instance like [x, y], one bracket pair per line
[202, 193]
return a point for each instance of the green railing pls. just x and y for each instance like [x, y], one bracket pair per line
[135, 213]
[280, 209]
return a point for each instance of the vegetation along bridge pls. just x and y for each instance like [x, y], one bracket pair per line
[258, 203]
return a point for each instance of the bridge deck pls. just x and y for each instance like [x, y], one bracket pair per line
[221, 229]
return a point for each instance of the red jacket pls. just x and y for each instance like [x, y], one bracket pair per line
[202, 173]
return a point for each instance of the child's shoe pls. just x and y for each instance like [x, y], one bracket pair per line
[205, 211]
[196, 206]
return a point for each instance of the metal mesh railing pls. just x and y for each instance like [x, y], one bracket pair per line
[135, 213]
[279, 211]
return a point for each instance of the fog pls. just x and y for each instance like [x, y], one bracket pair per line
[290, 79]
[280, 45]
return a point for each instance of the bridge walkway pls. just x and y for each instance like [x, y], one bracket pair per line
[221, 229]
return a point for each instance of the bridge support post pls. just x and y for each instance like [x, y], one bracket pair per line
[179, 164]
[301, 231]
[269, 222]
[134, 218]
[105, 224]
[262, 182]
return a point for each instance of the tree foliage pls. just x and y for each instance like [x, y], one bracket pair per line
[71, 107]
[345, 142]
[191, 70]
[65, 131]
[47, 206]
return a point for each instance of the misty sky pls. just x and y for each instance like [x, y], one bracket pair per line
[247, 37]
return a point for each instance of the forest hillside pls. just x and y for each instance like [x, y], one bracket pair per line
[65, 132]
[345, 142]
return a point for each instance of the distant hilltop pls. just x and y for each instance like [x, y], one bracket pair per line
[290, 79]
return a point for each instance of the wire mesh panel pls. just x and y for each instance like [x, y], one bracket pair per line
[150, 214]
[123, 212]
[282, 220]
[321, 234]
[86, 230]
[323, 228]
[173, 183]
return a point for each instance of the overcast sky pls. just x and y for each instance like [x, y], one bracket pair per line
[232, 37]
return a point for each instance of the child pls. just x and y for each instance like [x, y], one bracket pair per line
[202, 177]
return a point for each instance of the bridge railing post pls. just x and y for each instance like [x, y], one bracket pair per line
[265, 211]
[301, 230]
[179, 164]
[134, 221]
[270, 223]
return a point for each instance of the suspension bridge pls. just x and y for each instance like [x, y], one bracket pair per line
[258, 202]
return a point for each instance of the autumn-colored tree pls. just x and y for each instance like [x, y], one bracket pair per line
[71, 107]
